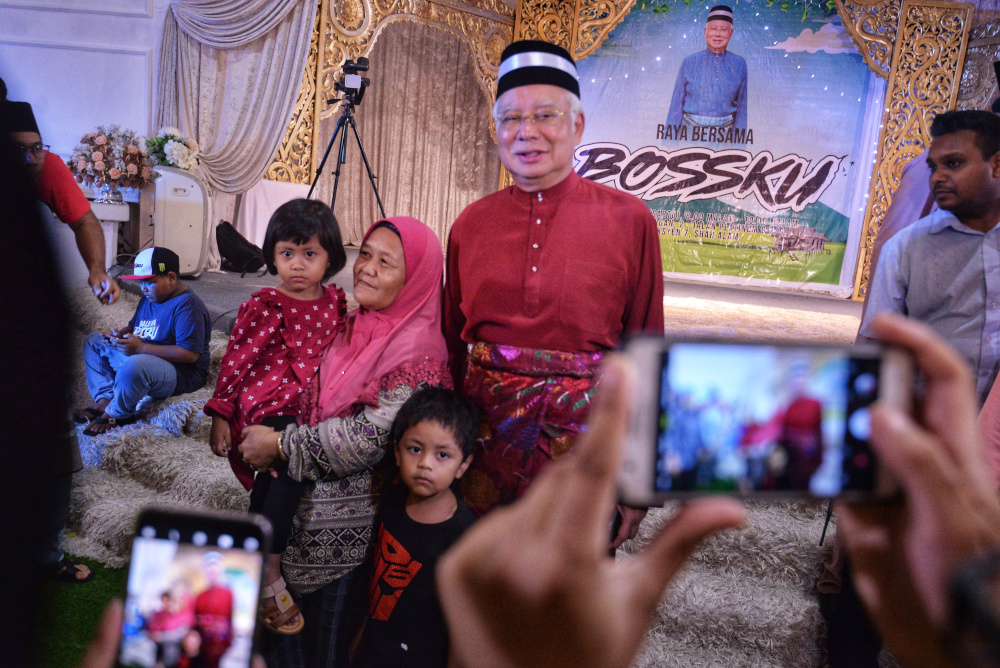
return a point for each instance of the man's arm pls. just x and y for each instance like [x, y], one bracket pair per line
[675, 116]
[645, 312]
[741, 101]
[452, 318]
[90, 241]
[886, 289]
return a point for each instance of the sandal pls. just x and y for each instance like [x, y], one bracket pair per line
[67, 570]
[106, 423]
[276, 617]
[89, 414]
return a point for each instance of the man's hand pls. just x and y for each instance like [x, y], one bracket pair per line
[105, 288]
[220, 438]
[904, 553]
[531, 584]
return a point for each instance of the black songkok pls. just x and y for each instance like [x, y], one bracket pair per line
[534, 62]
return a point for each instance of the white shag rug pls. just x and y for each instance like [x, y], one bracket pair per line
[746, 599]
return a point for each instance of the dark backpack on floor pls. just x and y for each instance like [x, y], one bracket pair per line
[237, 253]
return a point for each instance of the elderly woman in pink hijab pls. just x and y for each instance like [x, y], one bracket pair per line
[391, 347]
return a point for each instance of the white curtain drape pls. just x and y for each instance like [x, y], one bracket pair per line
[230, 71]
[425, 124]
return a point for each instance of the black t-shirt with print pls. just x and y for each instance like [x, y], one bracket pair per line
[405, 625]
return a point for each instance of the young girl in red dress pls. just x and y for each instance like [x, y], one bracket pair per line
[274, 351]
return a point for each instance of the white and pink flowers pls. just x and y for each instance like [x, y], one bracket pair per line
[111, 155]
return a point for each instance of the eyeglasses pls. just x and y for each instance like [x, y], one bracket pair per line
[547, 118]
[36, 150]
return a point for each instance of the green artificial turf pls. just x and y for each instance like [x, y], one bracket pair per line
[70, 614]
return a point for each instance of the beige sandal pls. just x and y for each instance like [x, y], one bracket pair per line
[276, 617]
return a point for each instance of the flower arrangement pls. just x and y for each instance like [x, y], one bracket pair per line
[111, 156]
[170, 148]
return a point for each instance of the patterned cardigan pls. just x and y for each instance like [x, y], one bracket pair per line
[332, 527]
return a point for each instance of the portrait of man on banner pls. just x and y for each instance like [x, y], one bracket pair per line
[711, 86]
[757, 165]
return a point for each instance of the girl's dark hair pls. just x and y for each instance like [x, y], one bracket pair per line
[298, 221]
[447, 407]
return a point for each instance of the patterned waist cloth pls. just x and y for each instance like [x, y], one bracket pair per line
[535, 403]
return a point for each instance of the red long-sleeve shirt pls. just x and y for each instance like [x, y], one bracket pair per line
[571, 268]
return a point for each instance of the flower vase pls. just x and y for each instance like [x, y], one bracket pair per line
[110, 194]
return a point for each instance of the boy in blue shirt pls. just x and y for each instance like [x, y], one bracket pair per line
[162, 352]
[433, 437]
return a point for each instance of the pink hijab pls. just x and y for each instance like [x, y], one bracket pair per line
[377, 342]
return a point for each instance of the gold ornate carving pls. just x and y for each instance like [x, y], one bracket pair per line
[872, 24]
[926, 66]
[548, 20]
[979, 82]
[597, 19]
[348, 29]
[293, 163]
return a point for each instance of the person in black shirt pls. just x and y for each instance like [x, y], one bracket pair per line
[434, 437]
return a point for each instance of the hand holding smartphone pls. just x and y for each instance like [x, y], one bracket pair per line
[193, 586]
[758, 419]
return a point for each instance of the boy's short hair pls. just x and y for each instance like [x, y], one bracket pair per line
[298, 221]
[985, 124]
[447, 407]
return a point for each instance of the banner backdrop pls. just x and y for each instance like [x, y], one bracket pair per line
[748, 139]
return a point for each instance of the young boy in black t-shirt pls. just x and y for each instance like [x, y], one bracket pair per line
[434, 437]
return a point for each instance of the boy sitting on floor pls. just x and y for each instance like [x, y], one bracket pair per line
[162, 352]
[434, 436]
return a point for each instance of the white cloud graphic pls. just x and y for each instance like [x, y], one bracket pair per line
[831, 38]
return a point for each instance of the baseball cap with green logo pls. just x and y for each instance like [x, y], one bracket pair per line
[155, 261]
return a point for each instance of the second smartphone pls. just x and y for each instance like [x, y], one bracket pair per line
[758, 419]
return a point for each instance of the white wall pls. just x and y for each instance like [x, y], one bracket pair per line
[82, 63]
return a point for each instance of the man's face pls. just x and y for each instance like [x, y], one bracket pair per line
[28, 142]
[538, 157]
[717, 35]
[962, 180]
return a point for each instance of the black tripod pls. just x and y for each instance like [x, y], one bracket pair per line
[346, 118]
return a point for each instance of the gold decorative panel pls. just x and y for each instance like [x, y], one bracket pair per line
[579, 26]
[347, 29]
[918, 46]
[293, 163]
[979, 82]
[924, 81]
[872, 25]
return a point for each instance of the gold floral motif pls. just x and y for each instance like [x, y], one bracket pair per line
[548, 20]
[347, 29]
[293, 163]
[597, 19]
[979, 83]
[924, 81]
[872, 25]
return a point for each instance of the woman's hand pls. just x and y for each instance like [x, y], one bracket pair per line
[259, 447]
[221, 437]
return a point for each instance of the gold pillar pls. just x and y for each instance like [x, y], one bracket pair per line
[927, 61]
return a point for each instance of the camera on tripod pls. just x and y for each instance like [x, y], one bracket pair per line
[353, 85]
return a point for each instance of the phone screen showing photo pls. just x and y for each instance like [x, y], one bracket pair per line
[748, 419]
[193, 586]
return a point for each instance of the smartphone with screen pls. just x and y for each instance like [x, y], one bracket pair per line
[192, 589]
[758, 419]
